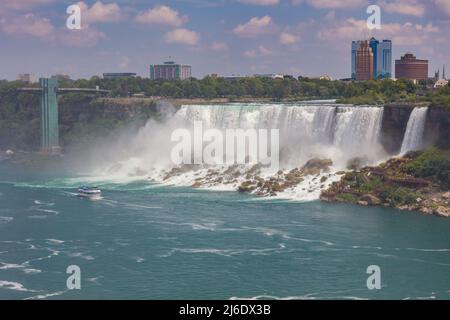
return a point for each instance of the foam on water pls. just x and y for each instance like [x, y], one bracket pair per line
[15, 286]
[5, 219]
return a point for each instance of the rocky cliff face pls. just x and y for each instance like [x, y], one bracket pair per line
[395, 121]
[437, 127]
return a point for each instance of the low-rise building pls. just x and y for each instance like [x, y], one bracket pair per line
[28, 78]
[115, 75]
[440, 84]
[411, 68]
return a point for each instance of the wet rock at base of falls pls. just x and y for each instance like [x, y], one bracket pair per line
[315, 166]
[180, 170]
[247, 186]
[357, 163]
[282, 181]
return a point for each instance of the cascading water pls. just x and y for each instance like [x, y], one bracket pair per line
[413, 139]
[358, 129]
[307, 131]
[353, 131]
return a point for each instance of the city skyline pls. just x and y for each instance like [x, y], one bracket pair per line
[242, 37]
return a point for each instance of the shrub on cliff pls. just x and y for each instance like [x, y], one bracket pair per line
[432, 164]
[398, 196]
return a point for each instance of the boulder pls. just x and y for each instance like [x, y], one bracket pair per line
[442, 211]
[356, 163]
[247, 186]
[371, 200]
[321, 164]
[197, 184]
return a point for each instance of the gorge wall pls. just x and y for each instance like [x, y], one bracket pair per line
[395, 121]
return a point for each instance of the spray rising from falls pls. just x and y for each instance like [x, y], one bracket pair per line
[415, 129]
[315, 141]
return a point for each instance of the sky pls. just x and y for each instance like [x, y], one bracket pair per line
[225, 37]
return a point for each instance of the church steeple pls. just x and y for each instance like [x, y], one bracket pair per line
[443, 73]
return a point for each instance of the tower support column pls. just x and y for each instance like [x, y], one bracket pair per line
[49, 116]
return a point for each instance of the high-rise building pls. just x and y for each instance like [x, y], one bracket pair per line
[355, 46]
[170, 71]
[364, 62]
[411, 68]
[382, 58]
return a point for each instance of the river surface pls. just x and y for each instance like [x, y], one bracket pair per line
[145, 241]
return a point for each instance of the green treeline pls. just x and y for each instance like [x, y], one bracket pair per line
[368, 92]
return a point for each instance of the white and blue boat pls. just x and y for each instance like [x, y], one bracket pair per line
[92, 193]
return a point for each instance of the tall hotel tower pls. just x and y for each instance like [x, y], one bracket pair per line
[364, 62]
[382, 58]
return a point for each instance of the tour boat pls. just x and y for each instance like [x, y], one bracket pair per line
[93, 193]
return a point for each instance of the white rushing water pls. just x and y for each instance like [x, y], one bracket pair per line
[307, 131]
[413, 139]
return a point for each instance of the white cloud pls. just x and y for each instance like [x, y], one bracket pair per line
[406, 7]
[261, 2]
[86, 37]
[260, 51]
[256, 26]
[30, 25]
[444, 5]
[250, 53]
[20, 5]
[162, 15]
[265, 51]
[182, 36]
[288, 38]
[100, 12]
[27, 25]
[124, 62]
[219, 46]
[407, 34]
[335, 4]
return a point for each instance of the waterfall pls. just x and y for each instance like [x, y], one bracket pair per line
[352, 130]
[358, 128]
[306, 131]
[413, 139]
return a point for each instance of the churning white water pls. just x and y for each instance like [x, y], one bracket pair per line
[413, 139]
[324, 131]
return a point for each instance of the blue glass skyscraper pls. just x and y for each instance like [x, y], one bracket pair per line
[382, 58]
